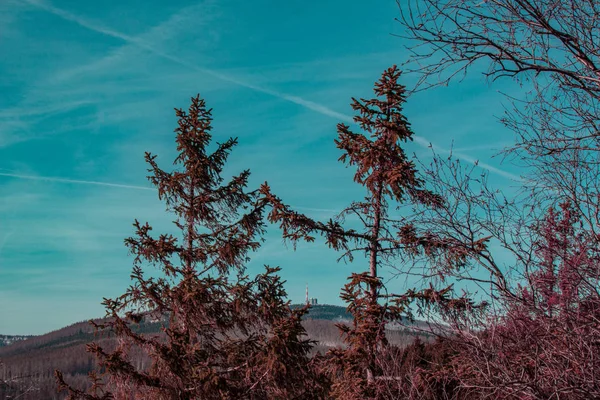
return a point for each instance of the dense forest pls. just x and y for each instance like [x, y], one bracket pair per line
[522, 326]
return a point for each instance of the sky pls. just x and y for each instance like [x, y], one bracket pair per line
[86, 89]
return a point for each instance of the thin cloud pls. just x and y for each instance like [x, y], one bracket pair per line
[135, 41]
[119, 185]
[74, 181]
[319, 108]
[425, 143]
[49, 95]
[491, 146]
[318, 210]
[42, 110]
[80, 21]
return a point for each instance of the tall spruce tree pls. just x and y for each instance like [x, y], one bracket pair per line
[391, 180]
[226, 336]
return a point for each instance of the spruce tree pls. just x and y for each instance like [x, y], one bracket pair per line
[391, 180]
[225, 335]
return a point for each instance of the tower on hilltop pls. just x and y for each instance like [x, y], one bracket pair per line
[310, 301]
[307, 293]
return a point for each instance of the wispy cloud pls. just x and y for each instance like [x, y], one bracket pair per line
[79, 20]
[318, 210]
[12, 114]
[96, 89]
[319, 108]
[74, 181]
[123, 186]
[142, 44]
[492, 146]
[424, 143]
[15, 123]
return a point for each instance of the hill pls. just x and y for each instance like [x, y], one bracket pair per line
[340, 314]
[326, 312]
[29, 363]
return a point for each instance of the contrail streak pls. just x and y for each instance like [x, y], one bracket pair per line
[424, 143]
[321, 210]
[319, 108]
[116, 185]
[146, 46]
[75, 181]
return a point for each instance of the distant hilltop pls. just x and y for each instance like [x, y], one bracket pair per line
[325, 311]
[340, 314]
[152, 324]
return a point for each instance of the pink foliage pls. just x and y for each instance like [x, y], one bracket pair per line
[546, 344]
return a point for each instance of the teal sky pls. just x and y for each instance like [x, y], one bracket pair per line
[86, 88]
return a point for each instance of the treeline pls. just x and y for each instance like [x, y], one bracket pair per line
[27, 368]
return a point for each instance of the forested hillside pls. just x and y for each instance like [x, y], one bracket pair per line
[28, 365]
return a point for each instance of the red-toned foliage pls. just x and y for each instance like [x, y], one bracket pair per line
[542, 340]
[391, 179]
[546, 343]
[226, 336]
